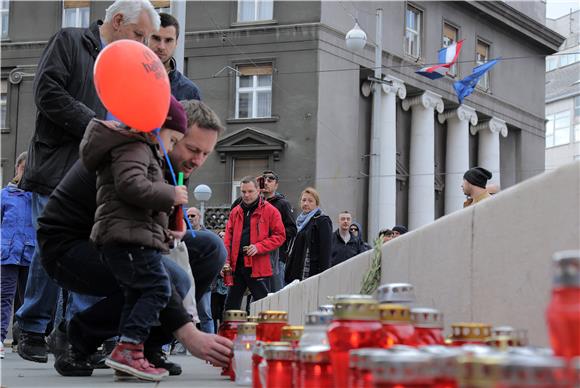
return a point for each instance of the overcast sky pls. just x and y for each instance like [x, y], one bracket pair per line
[557, 8]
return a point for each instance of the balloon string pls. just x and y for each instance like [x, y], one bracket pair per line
[156, 131]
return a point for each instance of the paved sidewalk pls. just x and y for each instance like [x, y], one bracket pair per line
[16, 372]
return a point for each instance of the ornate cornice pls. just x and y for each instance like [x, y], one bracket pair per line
[17, 74]
[397, 87]
[462, 113]
[427, 100]
[495, 125]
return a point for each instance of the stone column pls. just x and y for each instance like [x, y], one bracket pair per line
[387, 201]
[488, 150]
[456, 153]
[422, 157]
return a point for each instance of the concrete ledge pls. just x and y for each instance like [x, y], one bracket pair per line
[490, 262]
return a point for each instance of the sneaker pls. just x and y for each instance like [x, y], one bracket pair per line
[57, 341]
[129, 358]
[97, 359]
[72, 363]
[158, 358]
[32, 347]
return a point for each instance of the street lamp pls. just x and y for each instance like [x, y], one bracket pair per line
[202, 194]
[356, 40]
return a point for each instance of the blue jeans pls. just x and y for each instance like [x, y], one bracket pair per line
[146, 287]
[204, 312]
[41, 294]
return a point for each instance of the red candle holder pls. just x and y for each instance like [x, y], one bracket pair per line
[444, 364]
[280, 366]
[428, 324]
[396, 320]
[563, 313]
[408, 369]
[292, 334]
[465, 333]
[355, 326]
[270, 324]
[258, 359]
[315, 367]
[229, 329]
[360, 375]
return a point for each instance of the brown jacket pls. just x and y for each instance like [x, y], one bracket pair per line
[133, 200]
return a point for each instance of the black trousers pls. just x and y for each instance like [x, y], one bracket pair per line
[243, 280]
[80, 269]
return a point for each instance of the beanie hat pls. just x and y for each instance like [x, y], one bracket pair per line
[477, 176]
[176, 117]
[400, 228]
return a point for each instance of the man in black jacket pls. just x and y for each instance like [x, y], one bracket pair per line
[278, 257]
[66, 99]
[344, 244]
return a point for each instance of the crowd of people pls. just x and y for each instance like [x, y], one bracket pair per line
[94, 254]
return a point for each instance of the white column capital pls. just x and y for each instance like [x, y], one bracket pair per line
[462, 113]
[427, 100]
[397, 87]
[494, 125]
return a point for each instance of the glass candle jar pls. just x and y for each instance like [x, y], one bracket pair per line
[259, 362]
[464, 333]
[360, 375]
[315, 327]
[396, 293]
[243, 348]
[270, 324]
[563, 313]
[280, 366]
[444, 362]
[396, 321]
[535, 371]
[355, 325]
[479, 366]
[315, 368]
[253, 318]
[229, 329]
[292, 334]
[228, 275]
[428, 324]
[409, 369]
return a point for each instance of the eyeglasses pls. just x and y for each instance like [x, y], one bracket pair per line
[270, 178]
[353, 229]
[191, 216]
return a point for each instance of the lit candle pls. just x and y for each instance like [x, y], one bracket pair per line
[243, 347]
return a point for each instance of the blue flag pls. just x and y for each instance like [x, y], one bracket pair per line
[465, 87]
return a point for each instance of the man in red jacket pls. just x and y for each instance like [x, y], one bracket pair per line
[254, 229]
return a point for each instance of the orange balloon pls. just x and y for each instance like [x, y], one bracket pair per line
[133, 85]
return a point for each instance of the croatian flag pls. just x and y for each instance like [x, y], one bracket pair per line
[447, 58]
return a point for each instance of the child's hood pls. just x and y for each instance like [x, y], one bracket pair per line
[100, 139]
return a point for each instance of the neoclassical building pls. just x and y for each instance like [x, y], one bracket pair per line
[296, 100]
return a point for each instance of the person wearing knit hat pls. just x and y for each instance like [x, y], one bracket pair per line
[474, 182]
[175, 126]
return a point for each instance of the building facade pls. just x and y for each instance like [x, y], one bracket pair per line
[563, 94]
[294, 99]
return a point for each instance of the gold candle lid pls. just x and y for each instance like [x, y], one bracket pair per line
[501, 342]
[391, 312]
[292, 333]
[279, 352]
[253, 318]
[247, 328]
[272, 316]
[356, 308]
[319, 354]
[235, 316]
[470, 331]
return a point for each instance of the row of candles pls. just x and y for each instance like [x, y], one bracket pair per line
[362, 342]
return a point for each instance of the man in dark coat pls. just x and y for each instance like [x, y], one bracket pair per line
[66, 99]
[344, 244]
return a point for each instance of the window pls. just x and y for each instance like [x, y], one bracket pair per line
[5, 20]
[254, 91]
[162, 6]
[3, 105]
[413, 20]
[243, 168]
[255, 10]
[450, 35]
[551, 63]
[482, 56]
[76, 13]
[558, 129]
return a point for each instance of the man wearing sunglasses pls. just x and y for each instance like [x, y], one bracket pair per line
[279, 201]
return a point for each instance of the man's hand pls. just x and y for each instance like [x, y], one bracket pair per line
[178, 236]
[180, 195]
[252, 250]
[212, 348]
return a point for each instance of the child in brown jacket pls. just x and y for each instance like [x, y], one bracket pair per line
[131, 226]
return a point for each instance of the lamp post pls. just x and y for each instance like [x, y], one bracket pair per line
[202, 194]
[356, 42]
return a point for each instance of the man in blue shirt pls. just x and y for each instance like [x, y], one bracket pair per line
[163, 43]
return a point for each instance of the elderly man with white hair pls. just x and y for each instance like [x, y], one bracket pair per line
[66, 101]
